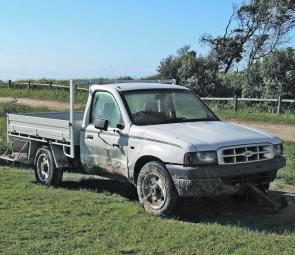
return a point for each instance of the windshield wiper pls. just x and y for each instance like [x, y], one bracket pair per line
[179, 120]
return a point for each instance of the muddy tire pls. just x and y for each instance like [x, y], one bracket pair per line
[155, 188]
[45, 171]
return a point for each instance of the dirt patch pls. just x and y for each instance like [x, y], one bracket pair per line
[54, 105]
[284, 131]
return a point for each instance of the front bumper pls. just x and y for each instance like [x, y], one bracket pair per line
[222, 179]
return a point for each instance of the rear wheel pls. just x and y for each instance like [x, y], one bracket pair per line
[45, 171]
[156, 190]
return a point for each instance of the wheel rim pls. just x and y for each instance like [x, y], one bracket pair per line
[154, 190]
[43, 167]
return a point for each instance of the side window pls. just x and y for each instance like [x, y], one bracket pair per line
[105, 106]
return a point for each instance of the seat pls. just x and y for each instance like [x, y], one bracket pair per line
[150, 107]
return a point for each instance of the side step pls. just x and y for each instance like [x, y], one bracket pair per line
[266, 199]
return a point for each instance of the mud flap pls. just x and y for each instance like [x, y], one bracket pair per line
[266, 199]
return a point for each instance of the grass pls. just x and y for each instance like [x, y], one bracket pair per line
[256, 116]
[89, 215]
[96, 216]
[288, 173]
[251, 111]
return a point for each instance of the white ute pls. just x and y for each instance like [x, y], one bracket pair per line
[161, 137]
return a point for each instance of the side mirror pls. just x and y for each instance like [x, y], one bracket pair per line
[101, 124]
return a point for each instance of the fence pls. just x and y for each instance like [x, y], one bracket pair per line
[234, 100]
[32, 85]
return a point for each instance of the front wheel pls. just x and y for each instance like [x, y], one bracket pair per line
[156, 190]
[45, 171]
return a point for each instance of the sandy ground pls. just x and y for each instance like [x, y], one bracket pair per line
[55, 105]
[285, 131]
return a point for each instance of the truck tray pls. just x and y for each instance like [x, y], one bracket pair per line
[47, 125]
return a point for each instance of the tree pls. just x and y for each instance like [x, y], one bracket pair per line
[252, 82]
[278, 72]
[254, 30]
[232, 84]
[197, 72]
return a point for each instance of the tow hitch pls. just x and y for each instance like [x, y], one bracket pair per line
[266, 199]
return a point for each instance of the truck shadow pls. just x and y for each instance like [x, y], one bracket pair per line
[103, 185]
[230, 210]
[226, 210]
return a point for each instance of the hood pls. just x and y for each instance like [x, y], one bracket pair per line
[208, 135]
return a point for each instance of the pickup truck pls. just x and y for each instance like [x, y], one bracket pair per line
[160, 137]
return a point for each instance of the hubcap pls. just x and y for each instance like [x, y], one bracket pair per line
[43, 167]
[154, 191]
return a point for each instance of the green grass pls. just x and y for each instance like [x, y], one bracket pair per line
[288, 173]
[257, 116]
[2, 134]
[251, 111]
[61, 95]
[88, 216]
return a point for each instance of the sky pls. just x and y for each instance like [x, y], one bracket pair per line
[64, 39]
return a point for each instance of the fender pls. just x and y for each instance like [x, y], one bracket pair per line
[60, 159]
[167, 153]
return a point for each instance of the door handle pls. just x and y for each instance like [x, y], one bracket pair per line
[90, 137]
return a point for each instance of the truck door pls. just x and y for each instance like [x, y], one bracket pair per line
[105, 151]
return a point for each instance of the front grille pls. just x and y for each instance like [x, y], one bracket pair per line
[245, 153]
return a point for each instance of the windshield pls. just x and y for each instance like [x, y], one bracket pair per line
[150, 107]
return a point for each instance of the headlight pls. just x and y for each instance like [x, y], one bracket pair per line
[278, 150]
[200, 158]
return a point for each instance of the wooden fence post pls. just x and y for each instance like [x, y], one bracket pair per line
[29, 84]
[235, 102]
[279, 104]
[50, 85]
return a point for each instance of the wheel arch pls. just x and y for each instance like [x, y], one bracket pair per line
[141, 162]
[59, 158]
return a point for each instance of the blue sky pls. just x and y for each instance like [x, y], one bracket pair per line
[95, 38]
